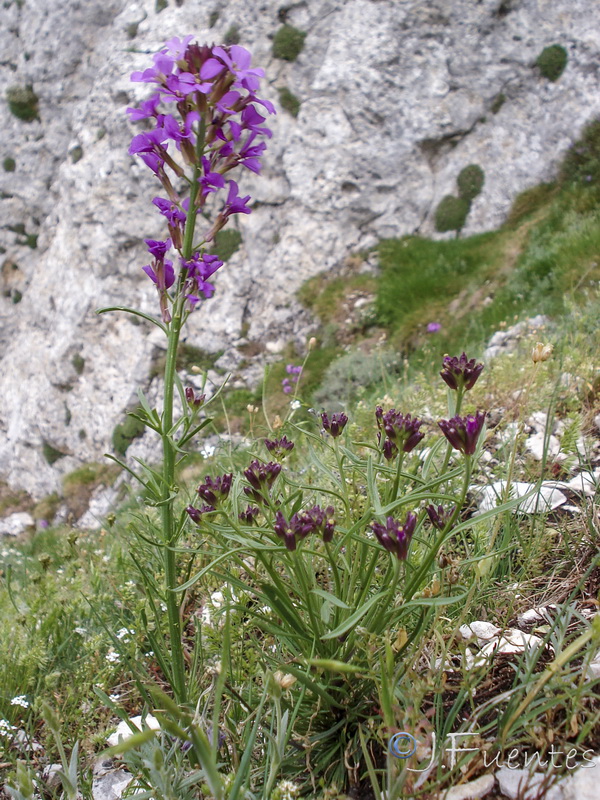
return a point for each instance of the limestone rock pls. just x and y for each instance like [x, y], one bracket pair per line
[390, 113]
[472, 790]
[16, 523]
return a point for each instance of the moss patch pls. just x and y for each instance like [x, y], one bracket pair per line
[552, 61]
[23, 103]
[125, 432]
[227, 243]
[79, 485]
[451, 214]
[289, 101]
[288, 43]
[232, 35]
[9, 164]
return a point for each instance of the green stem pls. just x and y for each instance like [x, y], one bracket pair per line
[169, 529]
[340, 464]
[394, 492]
[459, 398]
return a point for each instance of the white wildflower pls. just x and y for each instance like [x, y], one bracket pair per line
[112, 657]
[6, 728]
[125, 633]
[295, 405]
[20, 701]
[207, 451]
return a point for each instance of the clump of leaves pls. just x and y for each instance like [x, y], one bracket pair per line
[289, 101]
[288, 43]
[23, 102]
[552, 61]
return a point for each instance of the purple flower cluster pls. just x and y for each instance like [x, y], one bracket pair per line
[463, 432]
[335, 425]
[261, 478]
[439, 516]
[286, 383]
[459, 372]
[215, 126]
[215, 491]
[402, 432]
[279, 448]
[394, 537]
[315, 520]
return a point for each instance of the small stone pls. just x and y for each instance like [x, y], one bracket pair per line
[539, 445]
[472, 790]
[547, 499]
[111, 785]
[520, 784]
[483, 631]
[123, 731]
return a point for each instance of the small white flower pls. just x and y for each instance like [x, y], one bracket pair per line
[114, 697]
[20, 701]
[80, 631]
[163, 606]
[6, 728]
[207, 451]
[295, 405]
[149, 654]
[113, 658]
[125, 633]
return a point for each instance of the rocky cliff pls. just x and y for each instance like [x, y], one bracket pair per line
[396, 97]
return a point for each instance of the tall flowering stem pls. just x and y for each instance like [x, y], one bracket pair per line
[206, 124]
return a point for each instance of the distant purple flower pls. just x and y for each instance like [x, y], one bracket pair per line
[335, 425]
[402, 430]
[287, 386]
[460, 372]
[394, 537]
[433, 327]
[439, 516]
[214, 491]
[463, 432]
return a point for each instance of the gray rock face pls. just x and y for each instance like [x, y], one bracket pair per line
[396, 98]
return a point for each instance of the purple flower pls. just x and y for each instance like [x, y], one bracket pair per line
[335, 425]
[279, 448]
[315, 520]
[439, 516]
[238, 61]
[252, 120]
[148, 108]
[172, 213]
[162, 274]
[261, 478]
[322, 521]
[403, 431]
[287, 386]
[194, 400]
[389, 450]
[433, 327]
[249, 515]
[215, 491]
[463, 432]
[158, 249]
[460, 372]
[249, 154]
[394, 537]
[196, 513]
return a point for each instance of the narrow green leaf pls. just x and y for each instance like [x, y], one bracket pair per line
[353, 619]
[331, 598]
[331, 665]
[136, 313]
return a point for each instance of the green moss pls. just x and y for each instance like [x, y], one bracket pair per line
[23, 102]
[497, 103]
[288, 43]
[451, 214]
[125, 433]
[16, 296]
[160, 5]
[232, 35]
[470, 182]
[76, 154]
[78, 363]
[79, 485]
[227, 242]
[132, 29]
[289, 101]
[213, 18]
[46, 508]
[50, 453]
[9, 164]
[552, 61]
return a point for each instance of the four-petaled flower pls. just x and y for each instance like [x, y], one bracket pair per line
[463, 432]
[460, 372]
[394, 537]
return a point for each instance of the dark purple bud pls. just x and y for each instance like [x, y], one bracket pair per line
[389, 449]
[283, 530]
[396, 538]
[459, 372]
[249, 515]
[335, 425]
[279, 448]
[215, 491]
[262, 476]
[439, 516]
[463, 432]
[194, 400]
